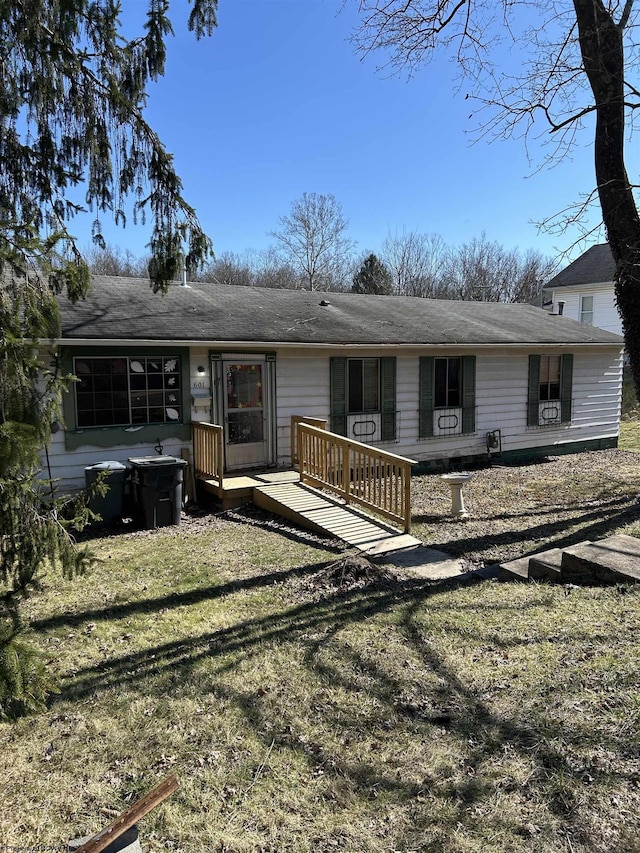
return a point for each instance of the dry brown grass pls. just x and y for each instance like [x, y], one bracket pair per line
[307, 715]
[519, 509]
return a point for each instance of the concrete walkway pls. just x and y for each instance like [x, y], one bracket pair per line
[423, 562]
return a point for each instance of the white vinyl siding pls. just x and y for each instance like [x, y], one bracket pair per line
[302, 387]
[605, 314]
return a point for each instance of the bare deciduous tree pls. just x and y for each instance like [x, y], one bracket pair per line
[111, 260]
[228, 268]
[575, 58]
[415, 261]
[485, 271]
[272, 271]
[312, 239]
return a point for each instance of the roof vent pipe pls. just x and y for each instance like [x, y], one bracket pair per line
[184, 276]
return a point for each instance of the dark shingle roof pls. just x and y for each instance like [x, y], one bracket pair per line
[595, 266]
[126, 309]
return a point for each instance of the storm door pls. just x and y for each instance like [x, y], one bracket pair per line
[246, 413]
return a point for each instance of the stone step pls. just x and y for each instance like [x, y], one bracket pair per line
[612, 560]
[542, 566]
[514, 570]
[545, 566]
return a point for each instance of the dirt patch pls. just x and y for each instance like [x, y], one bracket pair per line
[347, 574]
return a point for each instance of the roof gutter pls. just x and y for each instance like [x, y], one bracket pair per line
[262, 345]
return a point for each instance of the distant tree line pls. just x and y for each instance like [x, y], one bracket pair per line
[312, 251]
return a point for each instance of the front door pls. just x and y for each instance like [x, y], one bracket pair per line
[245, 400]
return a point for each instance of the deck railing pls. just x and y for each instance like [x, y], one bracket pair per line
[359, 473]
[208, 453]
[321, 423]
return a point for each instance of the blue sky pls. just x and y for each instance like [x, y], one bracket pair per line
[276, 103]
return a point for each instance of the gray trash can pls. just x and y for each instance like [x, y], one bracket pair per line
[108, 506]
[157, 489]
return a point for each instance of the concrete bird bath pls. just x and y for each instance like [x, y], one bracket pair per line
[456, 482]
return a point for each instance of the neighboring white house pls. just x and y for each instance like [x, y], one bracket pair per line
[430, 379]
[584, 290]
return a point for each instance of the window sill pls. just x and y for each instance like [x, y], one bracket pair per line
[548, 426]
[447, 436]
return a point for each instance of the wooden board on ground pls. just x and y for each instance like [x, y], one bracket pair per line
[132, 815]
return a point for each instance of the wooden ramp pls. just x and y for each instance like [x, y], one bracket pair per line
[324, 514]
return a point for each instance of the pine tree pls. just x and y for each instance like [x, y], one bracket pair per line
[373, 277]
[72, 93]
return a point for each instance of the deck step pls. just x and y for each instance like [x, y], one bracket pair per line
[612, 560]
[325, 514]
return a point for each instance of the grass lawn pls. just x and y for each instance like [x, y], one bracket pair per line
[392, 716]
[630, 435]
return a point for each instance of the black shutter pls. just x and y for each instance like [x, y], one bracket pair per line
[468, 394]
[566, 387]
[533, 399]
[388, 398]
[425, 412]
[339, 395]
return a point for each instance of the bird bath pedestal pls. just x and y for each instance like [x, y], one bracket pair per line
[456, 482]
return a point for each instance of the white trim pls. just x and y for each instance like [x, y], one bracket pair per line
[577, 287]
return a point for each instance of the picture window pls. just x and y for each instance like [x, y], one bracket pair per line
[127, 391]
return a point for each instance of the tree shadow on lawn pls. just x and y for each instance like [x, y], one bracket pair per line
[248, 515]
[197, 595]
[388, 705]
[598, 523]
[608, 506]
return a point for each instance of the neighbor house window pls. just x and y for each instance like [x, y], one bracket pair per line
[550, 389]
[447, 404]
[586, 309]
[364, 386]
[114, 391]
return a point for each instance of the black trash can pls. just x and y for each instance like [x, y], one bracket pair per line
[108, 506]
[157, 489]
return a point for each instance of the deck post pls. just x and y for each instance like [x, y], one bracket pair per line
[345, 467]
[208, 450]
[406, 483]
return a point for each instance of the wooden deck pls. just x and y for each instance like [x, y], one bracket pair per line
[358, 477]
[236, 491]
